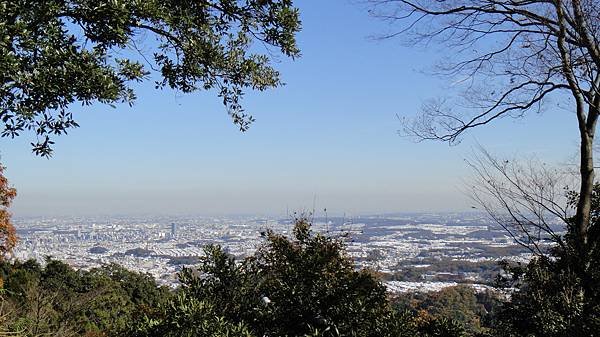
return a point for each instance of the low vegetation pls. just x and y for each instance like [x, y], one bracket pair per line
[303, 285]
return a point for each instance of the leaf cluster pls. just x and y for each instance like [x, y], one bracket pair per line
[56, 53]
[304, 285]
[57, 300]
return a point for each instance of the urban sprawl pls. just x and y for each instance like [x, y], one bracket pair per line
[420, 251]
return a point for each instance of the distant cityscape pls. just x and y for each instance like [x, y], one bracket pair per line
[412, 251]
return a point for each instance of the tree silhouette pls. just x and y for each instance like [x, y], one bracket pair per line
[508, 58]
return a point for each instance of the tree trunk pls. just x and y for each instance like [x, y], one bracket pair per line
[582, 217]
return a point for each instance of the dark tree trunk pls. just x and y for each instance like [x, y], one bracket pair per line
[582, 218]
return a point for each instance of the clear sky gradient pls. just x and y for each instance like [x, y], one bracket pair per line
[328, 136]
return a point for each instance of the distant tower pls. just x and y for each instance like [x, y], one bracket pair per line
[173, 229]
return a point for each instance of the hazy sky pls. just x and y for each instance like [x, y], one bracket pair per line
[329, 135]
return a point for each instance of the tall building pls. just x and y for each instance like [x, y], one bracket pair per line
[173, 229]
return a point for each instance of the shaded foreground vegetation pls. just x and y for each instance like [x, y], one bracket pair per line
[300, 286]
[304, 285]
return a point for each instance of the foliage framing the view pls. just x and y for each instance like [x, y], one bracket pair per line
[56, 53]
[298, 286]
[8, 233]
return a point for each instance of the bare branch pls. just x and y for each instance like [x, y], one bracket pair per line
[516, 56]
[528, 200]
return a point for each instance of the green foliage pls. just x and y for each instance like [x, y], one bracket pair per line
[486, 270]
[458, 304]
[453, 309]
[557, 295]
[58, 300]
[299, 286]
[553, 299]
[441, 327]
[55, 53]
[188, 317]
[305, 285]
[311, 278]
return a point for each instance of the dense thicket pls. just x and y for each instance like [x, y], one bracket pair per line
[57, 300]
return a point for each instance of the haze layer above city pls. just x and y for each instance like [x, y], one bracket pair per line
[327, 139]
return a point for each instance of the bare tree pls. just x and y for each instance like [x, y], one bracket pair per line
[525, 197]
[508, 58]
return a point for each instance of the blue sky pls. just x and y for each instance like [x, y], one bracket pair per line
[330, 135]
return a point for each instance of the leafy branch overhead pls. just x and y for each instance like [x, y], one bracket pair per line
[56, 53]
